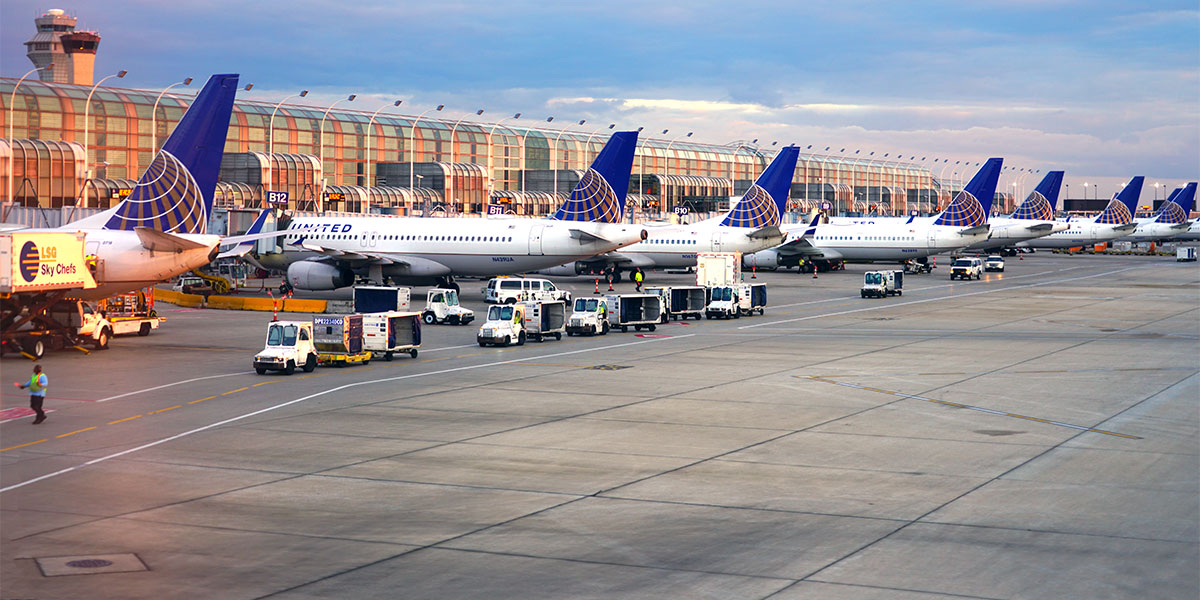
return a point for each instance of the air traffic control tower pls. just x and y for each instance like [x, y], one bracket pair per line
[56, 41]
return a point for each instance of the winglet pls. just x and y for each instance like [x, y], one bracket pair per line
[971, 206]
[600, 194]
[766, 200]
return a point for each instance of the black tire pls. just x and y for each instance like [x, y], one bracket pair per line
[624, 329]
[260, 371]
[510, 301]
[737, 313]
[290, 368]
[558, 337]
[101, 341]
[482, 344]
[521, 339]
[604, 329]
[538, 338]
[413, 353]
[144, 330]
[507, 340]
[899, 292]
[310, 364]
[429, 318]
[35, 347]
[652, 328]
[637, 327]
[387, 356]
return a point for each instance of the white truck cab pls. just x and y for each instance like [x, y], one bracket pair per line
[733, 301]
[441, 306]
[505, 325]
[510, 290]
[289, 345]
[881, 284]
[589, 316]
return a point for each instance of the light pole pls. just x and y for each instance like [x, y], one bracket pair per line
[667, 166]
[555, 154]
[412, 148]
[271, 139]
[1085, 187]
[87, 110]
[733, 162]
[324, 173]
[453, 147]
[154, 113]
[588, 146]
[371, 130]
[12, 148]
[1156, 191]
[491, 162]
[525, 138]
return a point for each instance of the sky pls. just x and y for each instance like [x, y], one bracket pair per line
[1102, 90]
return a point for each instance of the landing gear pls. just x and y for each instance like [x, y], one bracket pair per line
[448, 283]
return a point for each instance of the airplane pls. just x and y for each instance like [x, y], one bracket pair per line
[751, 225]
[1034, 218]
[326, 253]
[160, 230]
[1114, 222]
[1170, 220]
[962, 223]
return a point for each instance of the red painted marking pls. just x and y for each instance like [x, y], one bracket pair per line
[651, 335]
[13, 414]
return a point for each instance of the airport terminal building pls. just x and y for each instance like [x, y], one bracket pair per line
[339, 159]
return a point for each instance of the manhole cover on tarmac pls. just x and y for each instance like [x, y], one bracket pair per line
[54, 566]
[610, 367]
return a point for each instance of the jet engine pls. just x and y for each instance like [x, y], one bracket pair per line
[763, 259]
[312, 275]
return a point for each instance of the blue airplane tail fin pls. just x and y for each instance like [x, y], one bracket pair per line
[971, 206]
[175, 194]
[600, 194]
[1178, 207]
[1042, 200]
[766, 200]
[1121, 208]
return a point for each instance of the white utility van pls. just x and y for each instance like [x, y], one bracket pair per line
[510, 290]
[966, 268]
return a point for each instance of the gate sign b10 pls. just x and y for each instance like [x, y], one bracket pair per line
[681, 211]
[277, 198]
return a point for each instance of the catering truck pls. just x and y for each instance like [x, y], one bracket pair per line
[733, 301]
[718, 268]
[39, 272]
[391, 332]
[682, 302]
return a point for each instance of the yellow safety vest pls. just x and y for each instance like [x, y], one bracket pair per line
[35, 385]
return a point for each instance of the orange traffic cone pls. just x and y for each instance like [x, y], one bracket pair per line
[610, 288]
[814, 270]
[753, 271]
[597, 286]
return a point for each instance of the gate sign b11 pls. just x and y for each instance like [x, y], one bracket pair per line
[495, 209]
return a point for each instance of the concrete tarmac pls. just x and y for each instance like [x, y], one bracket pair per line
[1035, 434]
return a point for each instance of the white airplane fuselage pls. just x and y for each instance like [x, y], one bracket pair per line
[888, 239]
[675, 246]
[423, 248]
[1079, 233]
[1007, 231]
[1149, 231]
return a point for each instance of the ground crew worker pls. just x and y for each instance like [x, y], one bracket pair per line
[37, 392]
[637, 278]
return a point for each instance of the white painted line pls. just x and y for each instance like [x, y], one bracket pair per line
[940, 298]
[330, 391]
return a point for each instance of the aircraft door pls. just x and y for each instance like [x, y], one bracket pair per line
[716, 241]
[535, 240]
[933, 241]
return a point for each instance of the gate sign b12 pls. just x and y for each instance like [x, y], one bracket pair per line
[277, 198]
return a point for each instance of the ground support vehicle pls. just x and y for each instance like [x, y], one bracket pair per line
[381, 298]
[733, 301]
[589, 316]
[881, 284]
[339, 340]
[916, 267]
[639, 311]
[505, 325]
[392, 332]
[545, 319]
[290, 344]
[441, 306]
[682, 302]
[38, 274]
[718, 268]
[216, 283]
[510, 290]
[994, 262]
[966, 268]
[132, 313]
[1185, 254]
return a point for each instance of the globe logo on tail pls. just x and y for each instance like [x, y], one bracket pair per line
[593, 200]
[166, 198]
[1116, 213]
[1035, 208]
[1171, 213]
[964, 211]
[755, 209]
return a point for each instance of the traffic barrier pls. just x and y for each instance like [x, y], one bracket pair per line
[303, 305]
[178, 298]
[263, 304]
[225, 302]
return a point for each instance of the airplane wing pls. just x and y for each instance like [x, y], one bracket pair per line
[974, 230]
[158, 241]
[770, 231]
[584, 236]
[1040, 227]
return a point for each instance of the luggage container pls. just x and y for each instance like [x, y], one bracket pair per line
[381, 298]
[545, 319]
[681, 302]
[634, 310]
[1185, 254]
[390, 333]
[339, 339]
